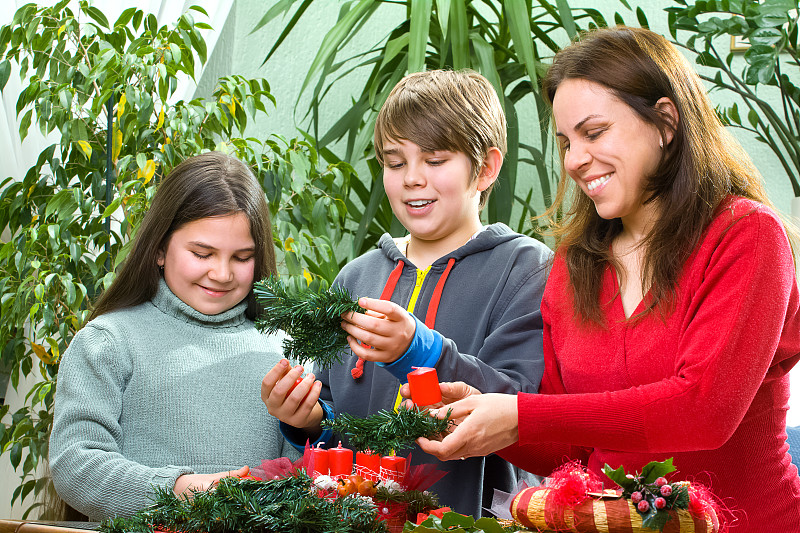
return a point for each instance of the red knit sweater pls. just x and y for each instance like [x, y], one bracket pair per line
[707, 385]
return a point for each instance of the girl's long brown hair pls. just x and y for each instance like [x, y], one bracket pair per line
[212, 184]
[700, 166]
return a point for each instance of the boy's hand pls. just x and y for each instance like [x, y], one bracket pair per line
[291, 402]
[385, 331]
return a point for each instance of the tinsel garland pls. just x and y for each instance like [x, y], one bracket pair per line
[286, 505]
[312, 318]
[386, 431]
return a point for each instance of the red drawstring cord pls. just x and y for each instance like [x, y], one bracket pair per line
[433, 306]
[388, 289]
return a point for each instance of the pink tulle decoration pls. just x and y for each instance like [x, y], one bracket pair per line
[421, 477]
[276, 468]
[703, 502]
[570, 484]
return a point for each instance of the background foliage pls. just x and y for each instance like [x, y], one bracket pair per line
[767, 73]
[106, 92]
[509, 42]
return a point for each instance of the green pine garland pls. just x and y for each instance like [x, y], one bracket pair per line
[386, 431]
[285, 505]
[311, 318]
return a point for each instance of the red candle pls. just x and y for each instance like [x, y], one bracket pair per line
[393, 468]
[340, 462]
[424, 384]
[319, 464]
[368, 465]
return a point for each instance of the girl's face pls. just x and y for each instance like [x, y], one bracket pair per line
[609, 150]
[209, 263]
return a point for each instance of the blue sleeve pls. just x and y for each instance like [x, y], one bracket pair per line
[424, 351]
[295, 436]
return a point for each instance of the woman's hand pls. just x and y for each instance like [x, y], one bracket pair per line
[187, 484]
[291, 401]
[382, 334]
[451, 392]
[485, 423]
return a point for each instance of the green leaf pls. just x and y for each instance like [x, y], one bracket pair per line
[97, 15]
[656, 469]
[618, 476]
[5, 72]
[519, 24]
[419, 28]
[459, 34]
[566, 18]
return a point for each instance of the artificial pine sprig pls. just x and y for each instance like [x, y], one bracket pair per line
[312, 318]
[386, 431]
[285, 505]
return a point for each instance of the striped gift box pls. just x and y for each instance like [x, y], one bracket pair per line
[534, 508]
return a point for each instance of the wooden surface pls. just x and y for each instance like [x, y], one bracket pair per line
[25, 526]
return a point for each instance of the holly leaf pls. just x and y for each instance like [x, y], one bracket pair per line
[620, 477]
[655, 469]
[654, 519]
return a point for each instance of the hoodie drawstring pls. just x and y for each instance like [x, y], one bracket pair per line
[433, 305]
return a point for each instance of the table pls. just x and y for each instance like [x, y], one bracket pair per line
[41, 526]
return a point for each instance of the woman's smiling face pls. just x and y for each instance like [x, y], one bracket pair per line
[609, 151]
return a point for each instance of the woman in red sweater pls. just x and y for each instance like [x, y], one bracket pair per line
[672, 314]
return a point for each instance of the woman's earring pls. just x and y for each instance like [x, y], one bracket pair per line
[661, 142]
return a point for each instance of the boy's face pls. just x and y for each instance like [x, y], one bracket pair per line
[432, 193]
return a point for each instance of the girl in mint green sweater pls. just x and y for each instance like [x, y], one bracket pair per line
[161, 387]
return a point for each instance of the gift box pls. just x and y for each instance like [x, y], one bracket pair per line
[537, 507]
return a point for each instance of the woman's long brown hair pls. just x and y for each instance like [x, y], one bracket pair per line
[212, 184]
[699, 168]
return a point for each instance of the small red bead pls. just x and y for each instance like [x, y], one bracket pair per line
[661, 481]
[636, 497]
[643, 506]
[660, 503]
[666, 490]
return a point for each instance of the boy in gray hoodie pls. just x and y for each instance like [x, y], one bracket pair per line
[453, 294]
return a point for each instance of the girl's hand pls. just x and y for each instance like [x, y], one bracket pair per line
[291, 401]
[187, 484]
[485, 423]
[386, 329]
[451, 392]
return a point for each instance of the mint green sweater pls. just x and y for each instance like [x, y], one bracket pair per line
[148, 393]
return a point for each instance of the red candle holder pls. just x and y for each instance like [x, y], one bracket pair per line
[424, 384]
[393, 468]
[319, 458]
[340, 462]
[368, 465]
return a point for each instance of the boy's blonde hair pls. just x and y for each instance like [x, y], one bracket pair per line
[458, 111]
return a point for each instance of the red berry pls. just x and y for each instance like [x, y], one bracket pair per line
[636, 497]
[643, 506]
[660, 503]
[661, 481]
[666, 490]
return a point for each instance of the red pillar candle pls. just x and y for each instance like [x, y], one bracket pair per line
[340, 462]
[393, 468]
[368, 465]
[319, 458]
[424, 384]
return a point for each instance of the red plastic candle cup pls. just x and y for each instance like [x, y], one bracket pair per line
[393, 468]
[424, 384]
[340, 462]
[319, 456]
[368, 465]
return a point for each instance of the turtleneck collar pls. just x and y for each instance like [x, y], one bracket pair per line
[169, 304]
